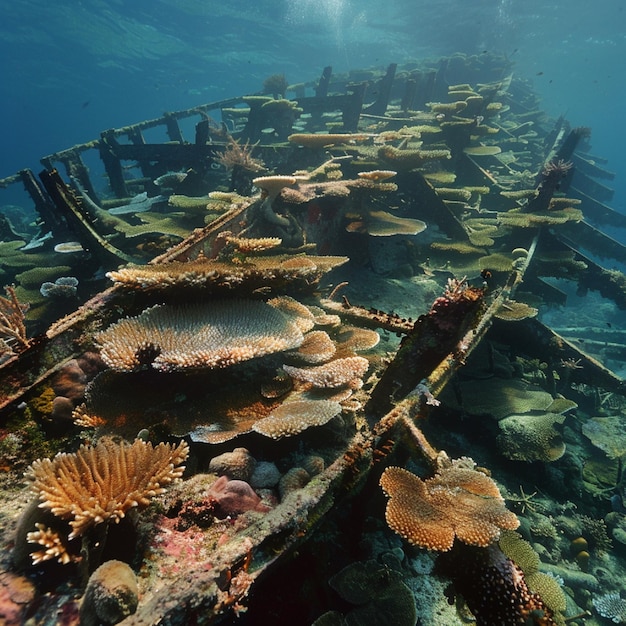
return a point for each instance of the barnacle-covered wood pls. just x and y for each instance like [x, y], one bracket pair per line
[217, 334]
[102, 483]
[254, 273]
[457, 502]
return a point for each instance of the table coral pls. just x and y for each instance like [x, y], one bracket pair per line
[219, 334]
[457, 502]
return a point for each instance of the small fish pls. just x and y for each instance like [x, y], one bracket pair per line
[139, 204]
[37, 242]
[486, 274]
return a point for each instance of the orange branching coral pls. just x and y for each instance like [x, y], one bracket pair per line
[333, 374]
[12, 329]
[457, 502]
[102, 483]
[53, 544]
[83, 418]
[217, 334]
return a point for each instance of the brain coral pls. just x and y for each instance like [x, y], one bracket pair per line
[531, 437]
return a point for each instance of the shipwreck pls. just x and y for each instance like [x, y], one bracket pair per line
[241, 339]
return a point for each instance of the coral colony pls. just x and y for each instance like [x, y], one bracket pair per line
[251, 340]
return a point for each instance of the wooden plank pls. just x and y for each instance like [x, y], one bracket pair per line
[590, 167]
[591, 187]
[597, 211]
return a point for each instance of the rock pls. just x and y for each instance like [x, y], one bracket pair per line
[110, 596]
[16, 593]
[265, 475]
[236, 465]
[233, 497]
[296, 478]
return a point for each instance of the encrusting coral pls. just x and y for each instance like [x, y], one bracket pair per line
[218, 334]
[102, 483]
[611, 606]
[531, 437]
[458, 501]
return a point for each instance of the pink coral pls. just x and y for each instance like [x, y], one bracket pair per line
[234, 497]
[16, 594]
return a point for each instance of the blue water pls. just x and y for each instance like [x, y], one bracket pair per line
[72, 68]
